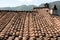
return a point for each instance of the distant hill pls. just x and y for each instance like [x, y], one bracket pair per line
[19, 8]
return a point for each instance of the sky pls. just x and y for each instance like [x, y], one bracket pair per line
[14, 3]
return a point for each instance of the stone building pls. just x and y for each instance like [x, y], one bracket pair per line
[44, 9]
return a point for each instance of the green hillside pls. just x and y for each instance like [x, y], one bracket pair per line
[19, 8]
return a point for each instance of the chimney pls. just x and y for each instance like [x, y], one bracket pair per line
[46, 5]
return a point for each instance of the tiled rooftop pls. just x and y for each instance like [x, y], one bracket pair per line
[29, 26]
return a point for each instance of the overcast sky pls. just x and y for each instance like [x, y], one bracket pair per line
[13, 3]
